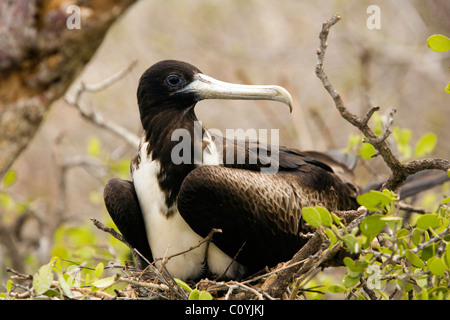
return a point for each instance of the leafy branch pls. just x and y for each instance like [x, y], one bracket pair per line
[399, 171]
[386, 255]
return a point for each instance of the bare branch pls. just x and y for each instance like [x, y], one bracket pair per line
[111, 231]
[399, 171]
[95, 116]
[110, 80]
[207, 240]
[42, 60]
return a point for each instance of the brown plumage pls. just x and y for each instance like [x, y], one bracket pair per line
[259, 214]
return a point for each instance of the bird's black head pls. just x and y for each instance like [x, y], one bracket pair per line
[160, 85]
[173, 87]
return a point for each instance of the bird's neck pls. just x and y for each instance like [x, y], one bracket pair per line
[162, 137]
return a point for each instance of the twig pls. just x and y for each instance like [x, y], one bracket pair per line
[110, 80]
[148, 285]
[231, 263]
[235, 285]
[208, 238]
[252, 290]
[277, 283]
[111, 231]
[20, 275]
[278, 270]
[399, 171]
[436, 238]
[96, 117]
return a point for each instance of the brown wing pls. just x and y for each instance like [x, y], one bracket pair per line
[123, 207]
[261, 212]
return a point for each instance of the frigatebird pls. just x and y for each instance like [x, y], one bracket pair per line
[169, 207]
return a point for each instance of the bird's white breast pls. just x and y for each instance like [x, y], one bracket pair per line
[170, 234]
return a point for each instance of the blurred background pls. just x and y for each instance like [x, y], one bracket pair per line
[251, 42]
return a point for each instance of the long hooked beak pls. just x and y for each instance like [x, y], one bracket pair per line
[207, 87]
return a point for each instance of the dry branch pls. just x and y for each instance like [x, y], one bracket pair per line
[95, 116]
[313, 253]
[39, 58]
[399, 171]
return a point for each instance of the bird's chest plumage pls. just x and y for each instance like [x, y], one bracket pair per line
[167, 231]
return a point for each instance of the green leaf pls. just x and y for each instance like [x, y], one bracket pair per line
[447, 88]
[47, 295]
[438, 43]
[330, 234]
[325, 216]
[105, 282]
[93, 147]
[200, 295]
[350, 281]
[392, 195]
[414, 259]
[10, 178]
[367, 151]
[183, 285]
[436, 266]
[447, 255]
[438, 293]
[357, 267]
[43, 279]
[195, 295]
[64, 286]
[426, 144]
[336, 219]
[415, 236]
[372, 225]
[9, 285]
[205, 295]
[352, 243]
[375, 200]
[446, 200]
[353, 143]
[402, 233]
[336, 289]
[402, 137]
[6, 201]
[99, 270]
[427, 221]
[428, 252]
[312, 216]
[391, 219]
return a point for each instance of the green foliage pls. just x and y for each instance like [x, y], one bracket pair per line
[94, 147]
[376, 200]
[439, 43]
[66, 275]
[392, 257]
[426, 144]
[402, 139]
[194, 294]
[62, 279]
[9, 179]
[317, 216]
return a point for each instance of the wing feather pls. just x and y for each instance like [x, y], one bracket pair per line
[261, 212]
[123, 207]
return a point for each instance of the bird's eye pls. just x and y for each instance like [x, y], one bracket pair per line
[174, 80]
